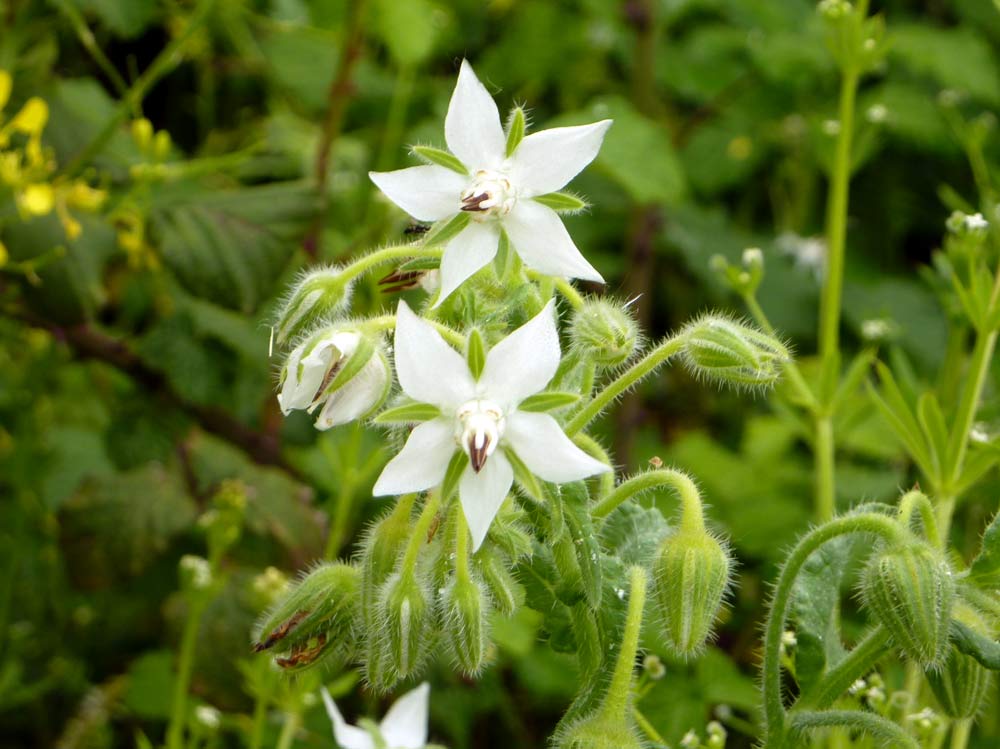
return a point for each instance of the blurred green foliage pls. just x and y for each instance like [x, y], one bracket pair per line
[134, 375]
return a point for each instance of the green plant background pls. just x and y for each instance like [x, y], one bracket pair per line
[128, 394]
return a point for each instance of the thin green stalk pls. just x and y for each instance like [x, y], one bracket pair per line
[86, 37]
[292, 722]
[387, 254]
[395, 121]
[260, 716]
[164, 62]
[189, 640]
[691, 508]
[774, 711]
[917, 500]
[960, 732]
[647, 727]
[627, 379]
[620, 687]
[852, 667]
[825, 456]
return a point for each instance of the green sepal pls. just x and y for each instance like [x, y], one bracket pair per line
[548, 401]
[441, 233]
[505, 261]
[516, 126]
[453, 474]
[439, 157]
[421, 263]
[475, 353]
[354, 364]
[576, 513]
[562, 201]
[408, 413]
[524, 477]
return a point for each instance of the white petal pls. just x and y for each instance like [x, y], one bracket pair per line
[304, 376]
[428, 193]
[547, 452]
[472, 126]
[429, 370]
[422, 462]
[465, 254]
[544, 162]
[356, 398]
[523, 362]
[539, 237]
[405, 725]
[482, 494]
[348, 736]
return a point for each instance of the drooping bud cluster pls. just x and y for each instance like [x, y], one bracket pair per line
[733, 353]
[909, 589]
[604, 333]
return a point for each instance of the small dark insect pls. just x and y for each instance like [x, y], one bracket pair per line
[281, 632]
[413, 229]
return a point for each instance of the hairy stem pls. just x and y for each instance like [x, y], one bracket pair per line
[825, 456]
[691, 509]
[627, 379]
[852, 667]
[385, 255]
[620, 687]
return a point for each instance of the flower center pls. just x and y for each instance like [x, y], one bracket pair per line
[480, 427]
[490, 194]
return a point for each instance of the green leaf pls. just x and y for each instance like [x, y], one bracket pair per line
[955, 58]
[932, 423]
[408, 29]
[524, 477]
[980, 647]
[985, 569]
[149, 689]
[633, 533]
[561, 201]
[891, 402]
[125, 19]
[439, 157]
[548, 401]
[515, 130]
[408, 413]
[475, 354]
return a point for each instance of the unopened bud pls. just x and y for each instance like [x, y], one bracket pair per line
[599, 731]
[466, 610]
[504, 590]
[161, 145]
[142, 134]
[653, 666]
[960, 685]
[317, 295]
[605, 333]
[733, 352]
[690, 575]
[405, 608]
[342, 372]
[316, 618]
[909, 589]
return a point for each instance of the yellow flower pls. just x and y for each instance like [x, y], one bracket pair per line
[6, 84]
[37, 199]
[81, 195]
[4, 255]
[32, 117]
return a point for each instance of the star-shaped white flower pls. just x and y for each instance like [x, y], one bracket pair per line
[311, 371]
[403, 727]
[497, 191]
[480, 417]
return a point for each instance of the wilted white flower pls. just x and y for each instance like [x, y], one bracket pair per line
[480, 417]
[497, 190]
[403, 727]
[309, 378]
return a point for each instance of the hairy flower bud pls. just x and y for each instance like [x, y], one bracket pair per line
[504, 590]
[317, 295]
[405, 614]
[465, 611]
[599, 731]
[909, 589]
[691, 574]
[314, 619]
[342, 372]
[960, 685]
[605, 333]
[733, 352]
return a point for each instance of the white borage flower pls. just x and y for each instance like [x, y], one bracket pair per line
[339, 370]
[403, 727]
[497, 190]
[480, 417]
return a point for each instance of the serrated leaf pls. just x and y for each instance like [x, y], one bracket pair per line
[548, 401]
[441, 158]
[408, 413]
[985, 569]
[561, 201]
[408, 29]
